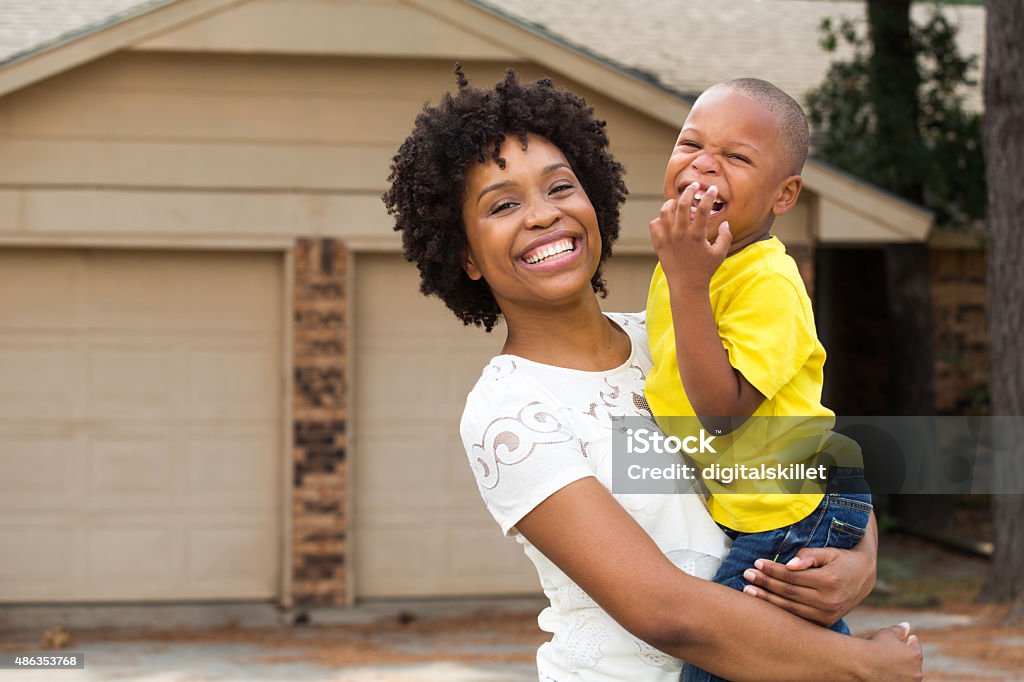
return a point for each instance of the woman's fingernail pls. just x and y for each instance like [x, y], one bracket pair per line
[759, 564]
[793, 562]
[694, 185]
[749, 575]
[713, 188]
[750, 590]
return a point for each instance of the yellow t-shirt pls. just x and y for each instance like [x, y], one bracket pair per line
[766, 324]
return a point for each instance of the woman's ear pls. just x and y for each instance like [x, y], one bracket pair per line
[789, 192]
[470, 267]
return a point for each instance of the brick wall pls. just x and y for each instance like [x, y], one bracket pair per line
[960, 330]
[319, 413]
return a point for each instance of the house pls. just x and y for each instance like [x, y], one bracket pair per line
[218, 380]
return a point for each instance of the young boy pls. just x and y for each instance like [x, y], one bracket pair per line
[723, 280]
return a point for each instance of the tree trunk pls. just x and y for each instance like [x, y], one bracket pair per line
[1004, 150]
[894, 83]
[912, 368]
[908, 284]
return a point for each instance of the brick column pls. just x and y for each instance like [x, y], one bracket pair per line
[319, 413]
[960, 330]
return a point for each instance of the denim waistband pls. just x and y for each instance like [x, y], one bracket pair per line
[847, 481]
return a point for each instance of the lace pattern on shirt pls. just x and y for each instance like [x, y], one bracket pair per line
[618, 398]
[656, 658]
[508, 441]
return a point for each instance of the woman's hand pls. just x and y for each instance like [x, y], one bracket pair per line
[896, 655]
[820, 584]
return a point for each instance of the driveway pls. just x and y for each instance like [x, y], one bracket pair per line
[433, 641]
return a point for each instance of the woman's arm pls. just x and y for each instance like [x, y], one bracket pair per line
[822, 584]
[587, 534]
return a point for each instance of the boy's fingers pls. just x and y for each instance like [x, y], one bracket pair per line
[683, 215]
[667, 214]
[655, 227]
[667, 209]
[699, 216]
[723, 241]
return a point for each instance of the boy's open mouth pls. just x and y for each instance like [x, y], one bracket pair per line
[715, 207]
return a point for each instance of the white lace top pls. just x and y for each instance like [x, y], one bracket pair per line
[529, 430]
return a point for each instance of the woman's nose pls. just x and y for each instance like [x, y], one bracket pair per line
[542, 214]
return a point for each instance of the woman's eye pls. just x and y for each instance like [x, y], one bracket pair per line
[689, 144]
[561, 187]
[739, 157]
[501, 206]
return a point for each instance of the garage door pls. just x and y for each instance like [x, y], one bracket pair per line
[421, 528]
[139, 425]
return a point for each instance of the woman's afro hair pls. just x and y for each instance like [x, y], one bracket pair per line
[428, 177]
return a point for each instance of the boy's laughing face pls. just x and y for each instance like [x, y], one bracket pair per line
[732, 142]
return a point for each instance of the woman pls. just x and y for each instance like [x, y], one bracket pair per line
[508, 203]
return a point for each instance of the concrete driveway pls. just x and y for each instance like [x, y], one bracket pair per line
[457, 641]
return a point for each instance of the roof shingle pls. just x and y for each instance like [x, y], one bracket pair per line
[27, 26]
[687, 46]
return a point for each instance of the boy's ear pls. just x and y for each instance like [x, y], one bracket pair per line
[789, 192]
[470, 267]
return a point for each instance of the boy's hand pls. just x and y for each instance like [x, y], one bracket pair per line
[680, 238]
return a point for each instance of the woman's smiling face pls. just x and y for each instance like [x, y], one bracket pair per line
[532, 232]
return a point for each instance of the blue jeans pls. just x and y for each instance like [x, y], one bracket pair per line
[839, 521]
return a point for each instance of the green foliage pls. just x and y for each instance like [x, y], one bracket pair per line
[947, 157]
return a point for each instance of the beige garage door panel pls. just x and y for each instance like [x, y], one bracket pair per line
[421, 528]
[139, 425]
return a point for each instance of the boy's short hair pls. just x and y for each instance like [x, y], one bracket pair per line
[793, 128]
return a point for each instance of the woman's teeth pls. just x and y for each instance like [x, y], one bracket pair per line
[548, 250]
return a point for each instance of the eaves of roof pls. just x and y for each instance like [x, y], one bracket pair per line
[101, 38]
[81, 31]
